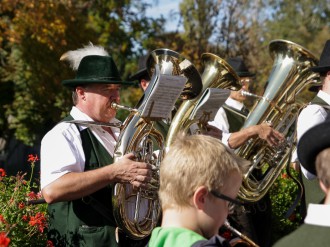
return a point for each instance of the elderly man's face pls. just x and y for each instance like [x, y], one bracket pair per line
[97, 101]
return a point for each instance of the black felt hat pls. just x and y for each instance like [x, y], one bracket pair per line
[142, 72]
[324, 63]
[95, 69]
[239, 66]
[312, 143]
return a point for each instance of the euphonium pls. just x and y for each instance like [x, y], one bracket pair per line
[280, 107]
[217, 73]
[137, 211]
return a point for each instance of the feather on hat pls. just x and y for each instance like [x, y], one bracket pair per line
[74, 57]
[94, 65]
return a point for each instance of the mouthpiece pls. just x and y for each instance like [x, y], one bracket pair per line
[116, 106]
[246, 93]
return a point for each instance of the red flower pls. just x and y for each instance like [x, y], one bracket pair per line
[49, 244]
[284, 176]
[32, 195]
[2, 172]
[24, 217]
[38, 220]
[21, 205]
[4, 241]
[32, 158]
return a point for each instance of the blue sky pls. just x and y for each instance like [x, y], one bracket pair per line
[164, 7]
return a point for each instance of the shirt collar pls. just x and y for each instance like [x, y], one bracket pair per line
[234, 103]
[317, 214]
[323, 95]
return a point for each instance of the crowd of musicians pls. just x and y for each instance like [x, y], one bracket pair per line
[200, 175]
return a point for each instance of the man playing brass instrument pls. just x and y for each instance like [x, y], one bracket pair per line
[315, 113]
[230, 118]
[77, 169]
[143, 78]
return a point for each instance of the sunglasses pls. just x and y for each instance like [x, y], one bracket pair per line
[232, 202]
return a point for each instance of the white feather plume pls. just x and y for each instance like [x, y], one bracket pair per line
[74, 57]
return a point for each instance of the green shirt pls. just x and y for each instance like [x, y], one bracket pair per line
[173, 237]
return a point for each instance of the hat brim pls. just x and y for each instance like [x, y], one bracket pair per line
[77, 82]
[312, 143]
[140, 74]
[320, 68]
[245, 74]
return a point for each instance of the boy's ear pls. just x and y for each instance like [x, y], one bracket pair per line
[200, 196]
[323, 187]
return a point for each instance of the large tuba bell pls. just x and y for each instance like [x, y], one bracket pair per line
[137, 211]
[217, 73]
[280, 106]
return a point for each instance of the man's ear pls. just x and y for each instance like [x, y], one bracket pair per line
[144, 84]
[80, 91]
[200, 197]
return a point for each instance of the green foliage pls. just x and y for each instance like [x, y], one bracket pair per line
[282, 194]
[298, 21]
[23, 224]
[34, 35]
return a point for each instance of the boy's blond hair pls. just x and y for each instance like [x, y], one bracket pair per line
[194, 161]
[323, 167]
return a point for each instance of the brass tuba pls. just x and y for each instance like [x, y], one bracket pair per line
[137, 211]
[280, 106]
[217, 73]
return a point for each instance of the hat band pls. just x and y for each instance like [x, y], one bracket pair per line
[100, 78]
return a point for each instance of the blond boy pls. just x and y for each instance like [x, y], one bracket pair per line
[199, 180]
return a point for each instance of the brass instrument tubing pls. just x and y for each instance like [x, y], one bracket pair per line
[246, 93]
[239, 234]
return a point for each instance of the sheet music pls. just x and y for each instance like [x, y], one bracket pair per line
[209, 103]
[163, 96]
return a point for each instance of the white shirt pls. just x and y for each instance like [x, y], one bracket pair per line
[61, 148]
[221, 121]
[310, 116]
[318, 214]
